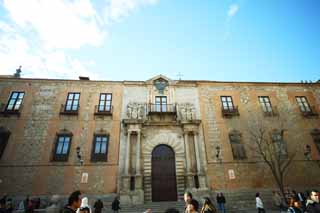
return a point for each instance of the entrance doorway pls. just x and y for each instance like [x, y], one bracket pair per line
[164, 186]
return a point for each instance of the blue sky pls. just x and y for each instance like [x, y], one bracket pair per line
[223, 40]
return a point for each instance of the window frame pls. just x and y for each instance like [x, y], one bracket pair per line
[6, 136]
[100, 157]
[264, 104]
[105, 102]
[228, 108]
[72, 102]
[62, 157]
[161, 106]
[303, 105]
[15, 101]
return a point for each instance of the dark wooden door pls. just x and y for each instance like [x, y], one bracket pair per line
[164, 187]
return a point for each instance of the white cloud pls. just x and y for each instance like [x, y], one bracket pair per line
[117, 9]
[233, 9]
[38, 34]
[59, 24]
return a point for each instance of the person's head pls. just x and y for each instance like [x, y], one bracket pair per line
[291, 202]
[257, 194]
[187, 197]
[207, 201]
[296, 204]
[314, 195]
[191, 205]
[75, 199]
[294, 192]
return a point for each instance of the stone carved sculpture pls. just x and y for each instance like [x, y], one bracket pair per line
[135, 110]
[187, 111]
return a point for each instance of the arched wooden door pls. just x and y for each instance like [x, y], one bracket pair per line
[164, 186]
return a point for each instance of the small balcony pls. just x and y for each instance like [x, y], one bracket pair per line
[312, 113]
[162, 109]
[273, 113]
[230, 112]
[7, 112]
[69, 110]
[101, 110]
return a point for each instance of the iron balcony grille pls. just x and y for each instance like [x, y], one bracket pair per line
[103, 110]
[73, 110]
[230, 111]
[162, 108]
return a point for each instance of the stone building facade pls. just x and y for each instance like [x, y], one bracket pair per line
[151, 140]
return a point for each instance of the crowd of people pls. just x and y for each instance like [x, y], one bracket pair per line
[292, 203]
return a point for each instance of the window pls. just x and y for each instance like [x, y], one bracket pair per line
[15, 101]
[280, 145]
[4, 137]
[72, 103]
[105, 102]
[62, 147]
[316, 138]
[100, 148]
[303, 104]
[161, 103]
[227, 103]
[265, 104]
[238, 151]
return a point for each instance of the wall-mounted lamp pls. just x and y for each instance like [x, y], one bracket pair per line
[79, 155]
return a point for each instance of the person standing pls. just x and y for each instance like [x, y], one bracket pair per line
[191, 206]
[84, 208]
[208, 206]
[221, 200]
[259, 204]
[294, 206]
[188, 198]
[98, 206]
[115, 205]
[313, 205]
[74, 202]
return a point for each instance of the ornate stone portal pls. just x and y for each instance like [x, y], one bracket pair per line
[144, 131]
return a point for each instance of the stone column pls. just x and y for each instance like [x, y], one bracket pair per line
[128, 154]
[138, 157]
[187, 152]
[196, 145]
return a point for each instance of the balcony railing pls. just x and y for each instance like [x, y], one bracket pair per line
[162, 108]
[229, 112]
[6, 112]
[73, 110]
[274, 112]
[312, 113]
[103, 110]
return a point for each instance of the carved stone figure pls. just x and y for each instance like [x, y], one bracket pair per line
[135, 110]
[187, 111]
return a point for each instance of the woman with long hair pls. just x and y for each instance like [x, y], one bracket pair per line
[208, 206]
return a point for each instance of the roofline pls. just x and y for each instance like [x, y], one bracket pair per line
[3, 77]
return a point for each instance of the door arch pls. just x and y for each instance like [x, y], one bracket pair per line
[164, 184]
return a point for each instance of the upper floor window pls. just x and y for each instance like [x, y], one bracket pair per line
[161, 104]
[100, 148]
[265, 103]
[4, 137]
[72, 103]
[15, 101]
[227, 103]
[105, 102]
[303, 104]
[62, 147]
